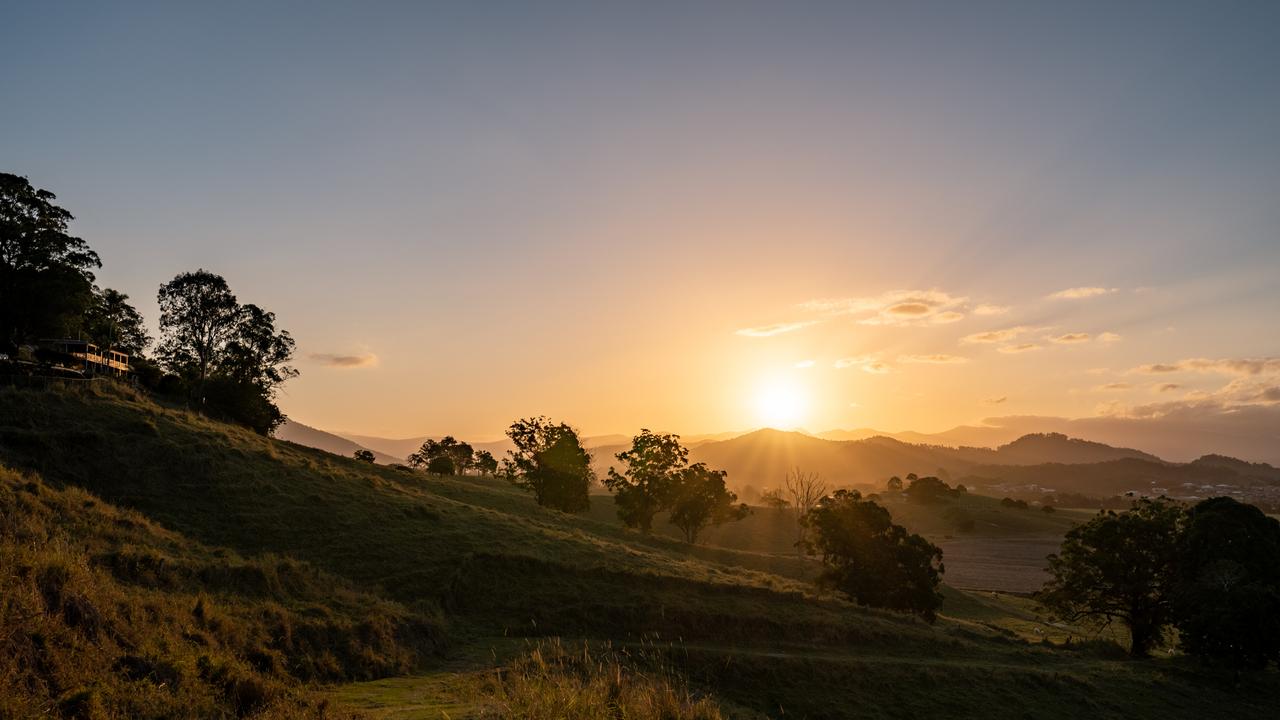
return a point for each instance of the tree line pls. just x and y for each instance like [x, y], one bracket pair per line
[221, 357]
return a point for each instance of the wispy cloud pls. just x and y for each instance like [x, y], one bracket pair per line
[867, 363]
[1225, 366]
[991, 310]
[936, 359]
[1081, 293]
[1108, 337]
[997, 400]
[1168, 387]
[775, 329]
[1070, 338]
[345, 361]
[1019, 348]
[1115, 386]
[804, 364]
[994, 336]
[899, 307]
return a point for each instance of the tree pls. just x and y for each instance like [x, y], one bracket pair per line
[805, 489]
[198, 316]
[46, 275]
[550, 462]
[485, 463]
[364, 456]
[1119, 566]
[460, 454]
[1226, 601]
[255, 353]
[441, 465]
[773, 499]
[112, 323]
[927, 490]
[871, 559]
[653, 467]
[894, 484]
[700, 499]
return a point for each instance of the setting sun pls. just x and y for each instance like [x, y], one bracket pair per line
[781, 403]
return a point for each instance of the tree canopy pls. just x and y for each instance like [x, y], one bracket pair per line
[870, 558]
[550, 461]
[648, 482]
[1226, 602]
[700, 499]
[1119, 567]
[46, 274]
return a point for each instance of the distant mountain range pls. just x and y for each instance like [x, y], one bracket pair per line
[762, 458]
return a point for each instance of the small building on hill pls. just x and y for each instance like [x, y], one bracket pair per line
[85, 357]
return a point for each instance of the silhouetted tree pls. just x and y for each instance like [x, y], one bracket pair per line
[485, 463]
[894, 484]
[1226, 602]
[441, 465]
[871, 559]
[459, 453]
[46, 275]
[550, 462]
[646, 487]
[1119, 566]
[112, 323]
[198, 316]
[805, 489]
[927, 490]
[773, 499]
[364, 456]
[700, 499]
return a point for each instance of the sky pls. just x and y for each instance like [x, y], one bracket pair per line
[695, 217]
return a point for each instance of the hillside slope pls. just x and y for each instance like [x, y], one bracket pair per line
[496, 566]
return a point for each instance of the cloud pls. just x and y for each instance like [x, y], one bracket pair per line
[867, 363]
[994, 336]
[345, 361]
[937, 359]
[1114, 386]
[1070, 338]
[1168, 387]
[775, 329]
[899, 307]
[991, 310]
[1108, 337]
[803, 364]
[1240, 367]
[997, 401]
[1081, 293]
[1020, 348]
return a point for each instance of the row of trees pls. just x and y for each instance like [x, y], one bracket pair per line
[1212, 571]
[224, 358]
[449, 456]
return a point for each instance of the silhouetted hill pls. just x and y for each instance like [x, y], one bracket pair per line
[762, 458]
[296, 432]
[1038, 448]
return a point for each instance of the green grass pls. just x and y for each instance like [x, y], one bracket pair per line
[466, 567]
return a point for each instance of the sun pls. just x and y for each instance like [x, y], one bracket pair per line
[781, 403]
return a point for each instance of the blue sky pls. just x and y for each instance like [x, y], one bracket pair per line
[572, 208]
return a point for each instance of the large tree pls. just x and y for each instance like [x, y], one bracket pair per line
[198, 317]
[1119, 567]
[646, 485]
[46, 274]
[550, 461]
[700, 499]
[1226, 602]
[870, 558]
[460, 454]
[115, 324]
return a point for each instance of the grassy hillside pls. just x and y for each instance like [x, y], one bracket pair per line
[105, 614]
[469, 567]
